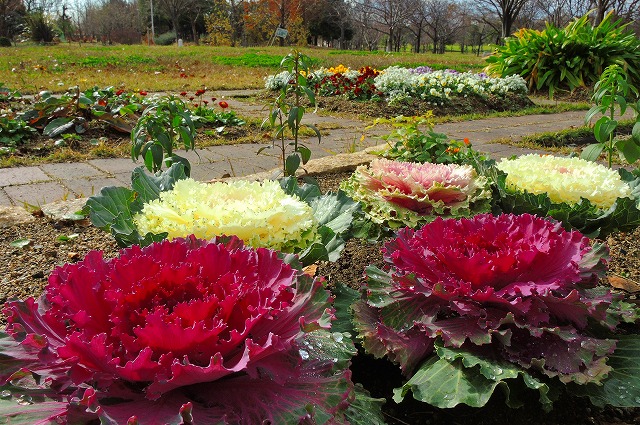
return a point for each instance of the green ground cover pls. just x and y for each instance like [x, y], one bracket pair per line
[31, 69]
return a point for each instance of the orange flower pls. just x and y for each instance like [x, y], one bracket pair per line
[466, 141]
[223, 104]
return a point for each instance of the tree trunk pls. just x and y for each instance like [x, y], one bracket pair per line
[194, 31]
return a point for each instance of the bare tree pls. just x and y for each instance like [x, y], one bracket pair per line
[417, 24]
[389, 17]
[367, 35]
[443, 19]
[113, 21]
[507, 12]
[628, 10]
[175, 10]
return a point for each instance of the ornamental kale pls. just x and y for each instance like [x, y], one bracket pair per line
[396, 194]
[487, 299]
[582, 195]
[180, 332]
[277, 215]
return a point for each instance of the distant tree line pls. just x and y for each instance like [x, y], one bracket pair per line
[393, 25]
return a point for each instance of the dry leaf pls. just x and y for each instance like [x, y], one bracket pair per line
[625, 284]
[310, 269]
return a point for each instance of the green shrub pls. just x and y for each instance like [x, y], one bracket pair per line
[166, 39]
[40, 28]
[5, 42]
[568, 58]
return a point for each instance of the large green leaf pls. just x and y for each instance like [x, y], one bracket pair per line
[344, 298]
[334, 213]
[446, 384]
[114, 207]
[365, 410]
[335, 210]
[110, 209]
[148, 187]
[307, 192]
[629, 150]
[455, 376]
[592, 152]
[604, 128]
[622, 386]
[58, 126]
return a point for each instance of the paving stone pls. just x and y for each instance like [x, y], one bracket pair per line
[203, 172]
[115, 165]
[63, 210]
[21, 175]
[4, 199]
[71, 171]
[37, 194]
[124, 178]
[89, 187]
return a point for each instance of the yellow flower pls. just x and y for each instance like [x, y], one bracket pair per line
[340, 69]
[565, 179]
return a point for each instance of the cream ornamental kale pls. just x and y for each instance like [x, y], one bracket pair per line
[514, 289]
[583, 195]
[179, 332]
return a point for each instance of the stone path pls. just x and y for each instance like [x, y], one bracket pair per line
[42, 184]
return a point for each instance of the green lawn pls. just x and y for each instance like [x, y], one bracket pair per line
[31, 69]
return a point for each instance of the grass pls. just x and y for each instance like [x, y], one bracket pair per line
[534, 110]
[568, 141]
[31, 69]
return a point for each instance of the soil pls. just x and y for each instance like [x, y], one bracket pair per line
[413, 107]
[24, 272]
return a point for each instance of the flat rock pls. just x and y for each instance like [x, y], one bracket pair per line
[63, 210]
[10, 216]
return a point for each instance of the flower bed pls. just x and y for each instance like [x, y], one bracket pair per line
[397, 84]
[548, 240]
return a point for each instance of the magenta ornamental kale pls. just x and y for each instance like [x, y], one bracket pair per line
[186, 331]
[514, 288]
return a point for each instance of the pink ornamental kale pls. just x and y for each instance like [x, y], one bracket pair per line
[186, 331]
[398, 194]
[516, 288]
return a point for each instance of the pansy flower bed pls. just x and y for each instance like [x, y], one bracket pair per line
[397, 83]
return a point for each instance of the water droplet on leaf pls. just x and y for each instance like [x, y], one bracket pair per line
[304, 354]
[25, 400]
